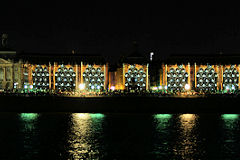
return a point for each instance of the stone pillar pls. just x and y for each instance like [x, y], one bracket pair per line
[76, 80]
[50, 75]
[147, 87]
[81, 73]
[189, 76]
[123, 77]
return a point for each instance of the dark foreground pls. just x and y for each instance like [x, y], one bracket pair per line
[130, 104]
[73, 136]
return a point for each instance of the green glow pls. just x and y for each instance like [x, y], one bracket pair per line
[230, 116]
[162, 116]
[97, 115]
[28, 116]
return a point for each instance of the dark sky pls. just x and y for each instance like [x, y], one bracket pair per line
[96, 29]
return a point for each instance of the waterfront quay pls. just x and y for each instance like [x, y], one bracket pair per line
[129, 103]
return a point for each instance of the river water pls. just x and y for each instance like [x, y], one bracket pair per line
[119, 136]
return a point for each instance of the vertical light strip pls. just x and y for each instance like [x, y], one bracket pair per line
[104, 76]
[165, 79]
[123, 76]
[49, 76]
[189, 76]
[54, 70]
[81, 74]
[76, 80]
[195, 75]
[147, 78]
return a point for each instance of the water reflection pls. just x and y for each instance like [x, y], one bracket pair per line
[29, 120]
[28, 135]
[186, 146]
[230, 120]
[161, 137]
[162, 121]
[230, 135]
[84, 138]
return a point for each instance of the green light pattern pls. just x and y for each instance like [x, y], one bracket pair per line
[28, 116]
[230, 116]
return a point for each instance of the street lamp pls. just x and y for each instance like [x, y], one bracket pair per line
[82, 86]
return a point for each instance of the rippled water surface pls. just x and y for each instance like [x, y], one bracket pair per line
[119, 136]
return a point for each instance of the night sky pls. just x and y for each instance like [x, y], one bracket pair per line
[96, 29]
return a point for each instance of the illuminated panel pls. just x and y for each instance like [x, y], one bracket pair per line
[230, 78]
[177, 78]
[207, 79]
[93, 78]
[40, 77]
[65, 78]
[135, 78]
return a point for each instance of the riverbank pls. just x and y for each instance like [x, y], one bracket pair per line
[128, 104]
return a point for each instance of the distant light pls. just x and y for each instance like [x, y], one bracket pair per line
[112, 88]
[160, 87]
[25, 86]
[165, 87]
[154, 88]
[187, 87]
[151, 56]
[227, 88]
[31, 86]
[98, 87]
[82, 86]
[92, 87]
[233, 87]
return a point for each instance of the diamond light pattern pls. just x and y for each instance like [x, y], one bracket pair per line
[177, 79]
[230, 78]
[135, 78]
[207, 79]
[93, 78]
[40, 77]
[65, 78]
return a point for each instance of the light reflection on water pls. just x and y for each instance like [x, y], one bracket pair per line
[92, 136]
[186, 145]
[230, 135]
[29, 134]
[83, 138]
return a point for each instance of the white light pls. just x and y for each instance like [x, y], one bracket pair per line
[82, 86]
[31, 86]
[160, 87]
[187, 87]
[25, 86]
[92, 87]
[227, 88]
[233, 87]
[154, 88]
[151, 56]
[165, 87]
[112, 88]
[98, 87]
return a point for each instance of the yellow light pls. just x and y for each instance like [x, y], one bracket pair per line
[82, 86]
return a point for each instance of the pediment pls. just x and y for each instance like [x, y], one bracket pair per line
[3, 61]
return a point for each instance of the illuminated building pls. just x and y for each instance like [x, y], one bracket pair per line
[10, 71]
[132, 74]
[65, 72]
[73, 72]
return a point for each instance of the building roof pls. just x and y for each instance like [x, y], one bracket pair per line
[204, 59]
[60, 58]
